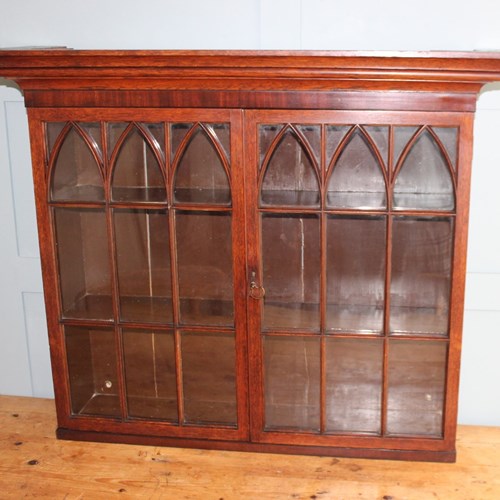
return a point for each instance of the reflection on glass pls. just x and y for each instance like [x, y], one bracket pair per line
[93, 131]
[93, 378]
[82, 250]
[137, 175]
[424, 181]
[221, 131]
[53, 130]
[200, 175]
[178, 132]
[353, 385]
[76, 175]
[380, 136]
[449, 139]
[417, 373]
[334, 136]
[114, 132]
[291, 271]
[312, 134]
[292, 383]
[267, 134]
[356, 180]
[402, 136]
[209, 380]
[143, 261]
[355, 273]
[156, 132]
[204, 260]
[149, 362]
[290, 178]
[421, 267]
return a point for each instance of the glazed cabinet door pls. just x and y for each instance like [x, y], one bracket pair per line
[142, 222]
[356, 254]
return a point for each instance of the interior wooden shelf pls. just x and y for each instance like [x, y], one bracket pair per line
[90, 307]
[423, 201]
[203, 196]
[80, 193]
[419, 321]
[289, 198]
[154, 310]
[139, 194]
[358, 200]
[200, 411]
[355, 319]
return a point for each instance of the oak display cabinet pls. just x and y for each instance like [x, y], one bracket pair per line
[254, 251]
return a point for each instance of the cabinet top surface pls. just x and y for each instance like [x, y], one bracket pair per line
[63, 57]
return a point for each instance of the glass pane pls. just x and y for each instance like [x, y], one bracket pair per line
[143, 261]
[53, 131]
[76, 175]
[204, 261]
[334, 136]
[312, 133]
[449, 138]
[200, 176]
[291, 271]
[292, 383]
[402, 136]
[209, 380]
[156, 132]
[137, 175]
[421, 267]
[82, 250]
[93, 130]
[380, 136]
[115, 131]
[149, 362]
[356, 248]
[417, 374]
[424, 181]
[290, 178]
[267, 134]
[93, 377]
[178, 132]
[356, 180]
[221, 131]
[354, 385]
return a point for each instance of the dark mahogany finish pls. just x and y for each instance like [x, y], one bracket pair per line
[254, 250]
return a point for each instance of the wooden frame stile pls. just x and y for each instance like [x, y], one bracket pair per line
[49, 271]
[464, 157]
[245, 90]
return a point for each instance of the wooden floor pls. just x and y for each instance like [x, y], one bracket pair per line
[33, 464]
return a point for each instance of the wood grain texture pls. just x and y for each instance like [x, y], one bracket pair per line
[455, 73]
[34, 464]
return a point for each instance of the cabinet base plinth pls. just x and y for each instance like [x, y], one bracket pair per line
[330, 451]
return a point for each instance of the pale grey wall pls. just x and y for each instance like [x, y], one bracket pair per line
[252, 24]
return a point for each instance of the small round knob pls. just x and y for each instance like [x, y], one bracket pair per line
[257, 291]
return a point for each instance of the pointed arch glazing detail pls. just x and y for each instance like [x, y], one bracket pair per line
[201, 169]
[424, 178]
[76, 166]
[137, 175]
[289, 175]
[356, 176]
